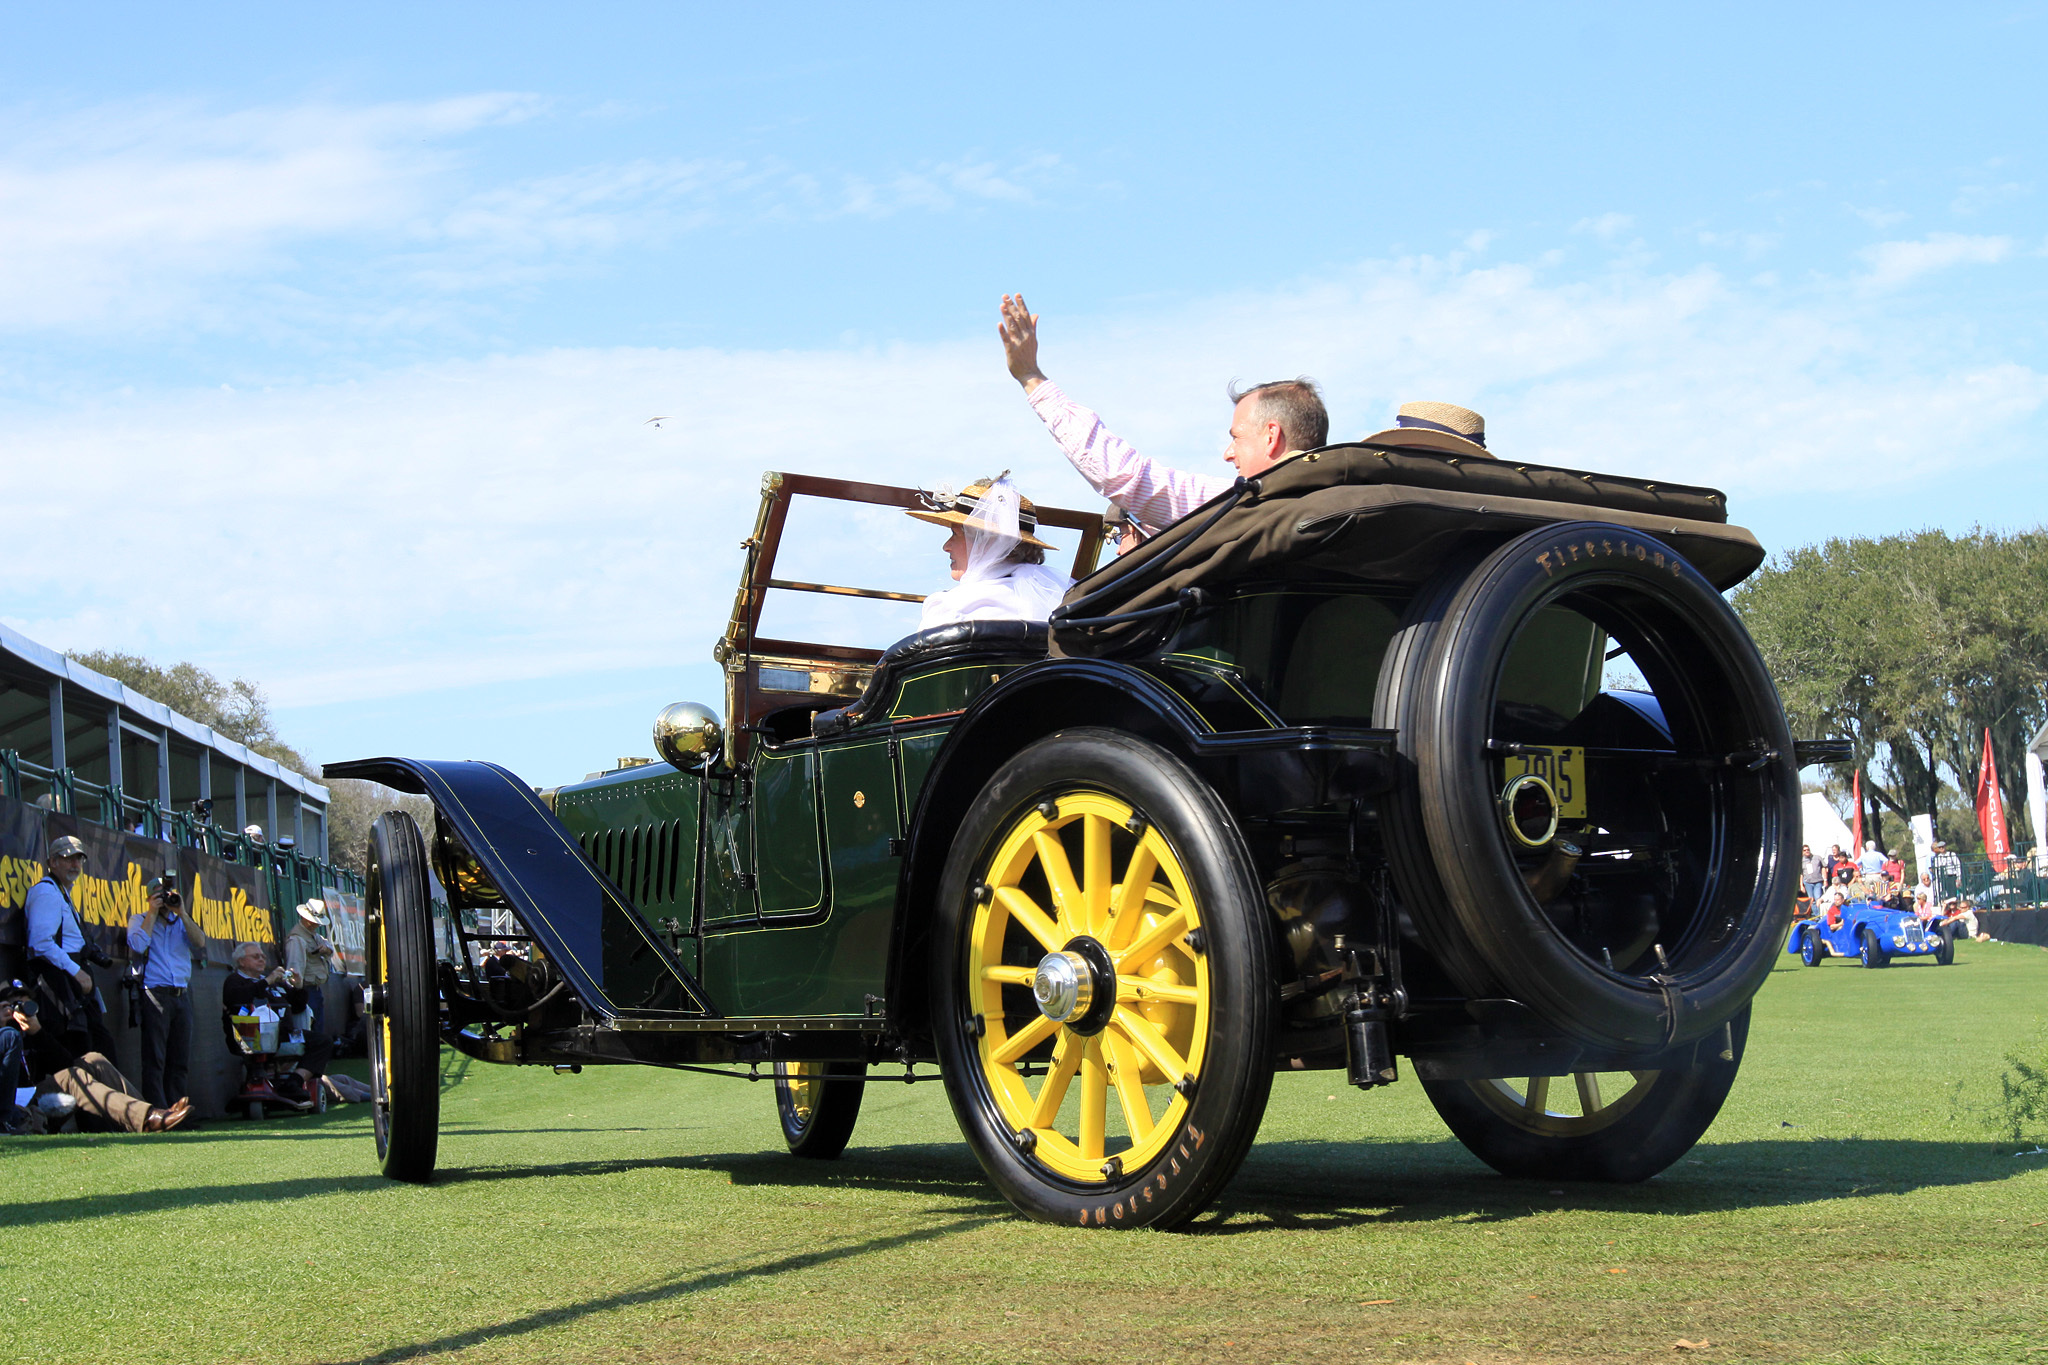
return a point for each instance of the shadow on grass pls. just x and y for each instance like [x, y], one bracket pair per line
[85, 1208]
[80, 1209]
[924, 1168]
[1306, 1186]
[939, 1171]
[1312, 1186]
[667, 1291]
[464, 1130]
[273, 1130]
[1327, 1186]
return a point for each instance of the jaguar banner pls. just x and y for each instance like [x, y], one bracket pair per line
[230, 903]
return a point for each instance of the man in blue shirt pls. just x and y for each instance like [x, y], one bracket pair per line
[56, 942]
[165, 940]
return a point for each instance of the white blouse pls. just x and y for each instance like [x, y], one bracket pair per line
[1020, 592]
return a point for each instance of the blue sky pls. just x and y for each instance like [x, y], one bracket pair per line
[358, 317]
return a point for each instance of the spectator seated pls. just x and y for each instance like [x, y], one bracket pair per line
[268, 1026]
[271, 1050]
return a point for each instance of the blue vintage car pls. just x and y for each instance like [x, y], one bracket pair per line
[1874, 934]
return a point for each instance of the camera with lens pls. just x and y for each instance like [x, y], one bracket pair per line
[95, 955]
[172, 900]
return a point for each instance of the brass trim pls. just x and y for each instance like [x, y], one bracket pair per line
[844, 1023]
[1507, 810]
[794, 586]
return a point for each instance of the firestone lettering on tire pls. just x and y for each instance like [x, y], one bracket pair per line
[1558, 557]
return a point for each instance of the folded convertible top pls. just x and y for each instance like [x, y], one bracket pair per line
[1386, 515]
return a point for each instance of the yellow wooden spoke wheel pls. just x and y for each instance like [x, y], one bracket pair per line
[817, 1104]
[1106, 998]
[804, 1081]
[1567, 1106]
[1086, 976]
[1595, 1125]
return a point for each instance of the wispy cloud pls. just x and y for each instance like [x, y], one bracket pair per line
[1974, 199]
[948, 185]
[1751, 244]
[598, 207]
[513, 517]
[125, 212]
[1606, 227]
[1878, 218]
[138, 214]
[1895, 263]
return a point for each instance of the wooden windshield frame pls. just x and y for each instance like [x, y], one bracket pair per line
[837, 670]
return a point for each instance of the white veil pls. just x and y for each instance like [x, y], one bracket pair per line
[992, 531]
[993, 586]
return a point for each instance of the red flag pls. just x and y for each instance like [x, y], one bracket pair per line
[1856, 844]
[1991, 809]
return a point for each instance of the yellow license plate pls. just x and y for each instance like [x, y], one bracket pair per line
[1563, 768]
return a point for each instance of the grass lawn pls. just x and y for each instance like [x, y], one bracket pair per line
[1846, 1207]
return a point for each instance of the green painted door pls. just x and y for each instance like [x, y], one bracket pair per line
[829, 964]
[791, 875]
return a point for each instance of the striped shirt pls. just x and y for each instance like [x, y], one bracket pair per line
[1156, 495]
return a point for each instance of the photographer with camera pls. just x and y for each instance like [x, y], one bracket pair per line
[105, 1098]
[165, 941]
[59, 951]
[17, 1019]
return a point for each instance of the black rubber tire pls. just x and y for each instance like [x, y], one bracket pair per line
[1870, 951]
[1741, 869]
[1946, 953]
[1223, 1116]
[405, 1053]
[1399, 697]
[1812, 951]
[822, 1134]
[1660, 1127]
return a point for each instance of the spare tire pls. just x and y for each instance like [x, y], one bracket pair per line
[1678, 907]
[1399, 698]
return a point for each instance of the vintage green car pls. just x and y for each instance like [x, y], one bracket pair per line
[1385, 753]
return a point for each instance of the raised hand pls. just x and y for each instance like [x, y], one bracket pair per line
[1019, 331]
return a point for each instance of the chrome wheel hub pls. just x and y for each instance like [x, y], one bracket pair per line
[1076, 986]
[1064, 986]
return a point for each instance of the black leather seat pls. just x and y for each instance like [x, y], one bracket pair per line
[962, 639]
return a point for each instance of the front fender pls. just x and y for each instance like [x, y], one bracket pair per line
[610, 955]
[1255, 771]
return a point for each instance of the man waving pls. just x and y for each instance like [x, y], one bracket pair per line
[1268, 423]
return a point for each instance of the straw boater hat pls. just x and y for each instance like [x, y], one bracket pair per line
[955, 509]
[1443, 427]
[314, 912]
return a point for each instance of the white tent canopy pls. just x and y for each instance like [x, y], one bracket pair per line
[1821, 828]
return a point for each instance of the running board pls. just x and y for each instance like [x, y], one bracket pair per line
[617, 964]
